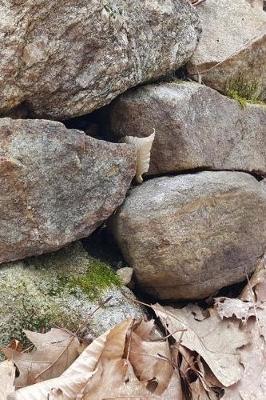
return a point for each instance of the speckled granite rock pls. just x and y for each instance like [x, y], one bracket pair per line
[61, 289]
[62, 58]
[196, 127]
[57, 185]
[232, 45]
[188, 236]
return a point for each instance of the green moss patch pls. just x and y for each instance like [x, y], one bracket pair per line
[243, 91]
[98, 277]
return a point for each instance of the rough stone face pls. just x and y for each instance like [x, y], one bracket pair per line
[54, 290]
[57, 185]
[233, 43]
[66, 58]
[190, 235]
[195, 127]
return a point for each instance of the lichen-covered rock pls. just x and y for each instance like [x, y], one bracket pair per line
[196, 127]
[57, 185]
[65, 58]
[232, 45]
[61, 289]
[190, 235]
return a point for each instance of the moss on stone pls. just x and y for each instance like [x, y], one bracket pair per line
[57, 289]
[98, 278]
[243, 91]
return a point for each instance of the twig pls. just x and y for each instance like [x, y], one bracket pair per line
[197, 2]
[253, 302]
[100, 305]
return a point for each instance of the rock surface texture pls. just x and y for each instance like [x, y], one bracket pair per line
[57, 185]
[196, 127]
[66, 58]
[61, 289]
[233, 44]
[190, 235]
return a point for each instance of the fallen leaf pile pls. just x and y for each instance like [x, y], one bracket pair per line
[191, 354]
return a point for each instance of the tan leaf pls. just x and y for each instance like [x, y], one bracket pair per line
[73, 380]
[143, 146]
[151, 361]
[131, 389]
[199, 392]
[252, 386]
[7, 378]
[54, 352]
[227, 308]
[215, 340]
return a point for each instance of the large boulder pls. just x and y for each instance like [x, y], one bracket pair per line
[190, 235]
[62, 289]
[196, 127]
[232, 47]
[57, 185]
[66, 58]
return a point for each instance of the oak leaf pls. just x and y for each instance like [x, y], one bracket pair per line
[54, 351]
[215, 340]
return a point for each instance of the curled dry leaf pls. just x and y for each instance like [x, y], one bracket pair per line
[215, 340]
[227, 308]
[143, 147]
[54, 352]
[151, 360]
[73, 380]
[7, 378]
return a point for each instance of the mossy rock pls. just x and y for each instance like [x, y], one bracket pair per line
[60, 289]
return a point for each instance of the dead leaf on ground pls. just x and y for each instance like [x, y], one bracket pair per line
[7, 378]
[151, 360]
[215, 340]
[242, 310]
[252, 386]
[54, 352]
[73, 379]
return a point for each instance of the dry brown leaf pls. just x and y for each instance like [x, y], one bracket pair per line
[255, 290]
[73, 380]
[112, 367]
[252, 386]
[151, 361]
[143, 146]
[227, 308]
[54, 352]
[215, 340]
[131, 389]
[199, 392]
[7, 378]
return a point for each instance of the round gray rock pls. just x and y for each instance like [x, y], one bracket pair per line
[190, 235]
[63, 58]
